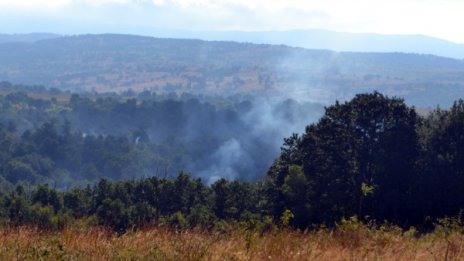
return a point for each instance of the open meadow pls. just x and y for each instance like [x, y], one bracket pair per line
[347, 242]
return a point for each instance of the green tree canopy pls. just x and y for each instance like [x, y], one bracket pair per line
[357, 160]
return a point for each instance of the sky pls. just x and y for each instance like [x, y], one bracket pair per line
[438, 18]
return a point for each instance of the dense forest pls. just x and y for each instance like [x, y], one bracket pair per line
[372, 157]
[64, 138]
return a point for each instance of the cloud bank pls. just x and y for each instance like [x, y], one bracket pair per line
[440, 18]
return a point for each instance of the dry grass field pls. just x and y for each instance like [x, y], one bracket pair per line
[358, 243]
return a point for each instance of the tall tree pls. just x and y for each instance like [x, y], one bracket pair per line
[357, 160]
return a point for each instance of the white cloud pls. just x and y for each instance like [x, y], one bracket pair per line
[28, 4]
[440, 18]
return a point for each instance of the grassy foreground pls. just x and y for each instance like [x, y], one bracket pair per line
[156, 243]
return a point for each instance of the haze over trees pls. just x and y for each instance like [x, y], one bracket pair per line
[332, 40]
[65, 138]
[119, 62]
[372, 157]
[309, 39]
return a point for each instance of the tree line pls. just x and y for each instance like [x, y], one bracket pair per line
[372, 157]
[181, 202]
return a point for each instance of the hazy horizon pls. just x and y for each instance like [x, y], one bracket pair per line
[439, 19]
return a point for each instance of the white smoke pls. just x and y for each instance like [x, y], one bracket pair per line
[250, 152]
[225, 160]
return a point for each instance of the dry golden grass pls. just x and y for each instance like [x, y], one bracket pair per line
[166, 244]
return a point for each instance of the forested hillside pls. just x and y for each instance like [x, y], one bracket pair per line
[191, 130]
[119, 62]
[370, 159]
[68, 139]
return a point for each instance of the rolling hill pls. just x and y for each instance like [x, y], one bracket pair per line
[332, 40]
[33, 37]
[112, 62]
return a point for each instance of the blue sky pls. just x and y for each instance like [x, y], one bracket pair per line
[438, 18]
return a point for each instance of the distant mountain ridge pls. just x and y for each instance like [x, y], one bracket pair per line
[305, 38]
[332, 40]
[113, 62]
[32, 37]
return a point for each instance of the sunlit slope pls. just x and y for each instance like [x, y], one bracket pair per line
[120, 62]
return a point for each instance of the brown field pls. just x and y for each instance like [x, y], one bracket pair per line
[278, 244]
